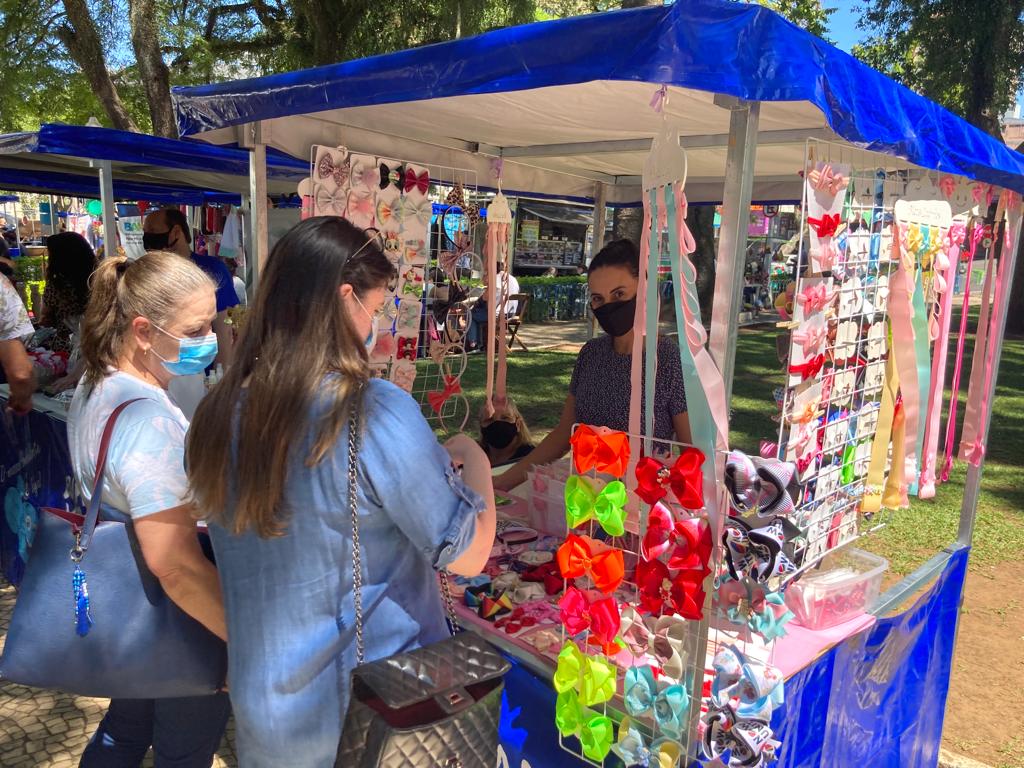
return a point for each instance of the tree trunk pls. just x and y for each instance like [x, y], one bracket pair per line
[627, 224]
[701, 221]
[83, 43]
[144, 20]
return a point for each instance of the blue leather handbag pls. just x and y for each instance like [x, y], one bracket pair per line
[91, 619]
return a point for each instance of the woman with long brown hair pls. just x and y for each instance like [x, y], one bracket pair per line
[268, 461]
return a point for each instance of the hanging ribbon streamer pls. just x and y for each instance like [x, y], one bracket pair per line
[955, 238]
[883, 437]
[922, 337]
[902, 286]
[649, 235]
[954, 400]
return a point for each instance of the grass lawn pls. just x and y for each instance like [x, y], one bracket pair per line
[539, 380]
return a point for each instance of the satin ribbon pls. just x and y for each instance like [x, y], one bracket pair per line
[972, 414]
[663, 638]
[689, 540]
[684, 477]
[600, 618]
[593, 678]
[894, 495]
[670, 704]
[828, 179]
[607, 506]
[809, 368]
[922, 351]
[811, 335]
[814, 298]
[637, 407]
[902, 285]
[826, 226]
[495, 250]
[438, 399]
[594, 731]
[660, 592]
[601, 449]
[955, 239]
[582, 556]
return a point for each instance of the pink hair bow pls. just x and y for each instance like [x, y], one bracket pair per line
[948, 186]
[815, 298]
[810, 336]
[360, 204]
[827, 178]
[439, 398]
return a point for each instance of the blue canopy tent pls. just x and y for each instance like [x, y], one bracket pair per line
[110, 156]
[566, 107]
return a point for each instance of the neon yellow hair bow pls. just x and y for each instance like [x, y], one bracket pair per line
[583, 503]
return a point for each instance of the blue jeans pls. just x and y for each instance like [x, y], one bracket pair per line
[478, 319]
[184, 733]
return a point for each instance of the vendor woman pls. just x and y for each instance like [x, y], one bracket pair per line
[600, 386]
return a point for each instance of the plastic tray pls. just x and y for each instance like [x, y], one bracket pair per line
[845, 585]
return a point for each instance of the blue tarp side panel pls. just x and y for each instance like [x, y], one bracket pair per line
[9, 198]
[47, 182]
[143, 149]
[724, 47]
[878, 698]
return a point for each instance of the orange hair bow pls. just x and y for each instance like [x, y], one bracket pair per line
[581, 555]
[602, 449]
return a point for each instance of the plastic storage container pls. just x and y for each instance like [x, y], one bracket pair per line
[845, 585]
[546, 497]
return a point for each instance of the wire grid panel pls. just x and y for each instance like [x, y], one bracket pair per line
[686, 633]
[830, 414]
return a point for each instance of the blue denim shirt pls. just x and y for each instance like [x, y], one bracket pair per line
[289, 603]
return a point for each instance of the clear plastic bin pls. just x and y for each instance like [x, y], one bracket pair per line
[845, 585]
[546, 497]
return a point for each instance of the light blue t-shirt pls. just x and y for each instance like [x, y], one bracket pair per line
[288, 599]
[145, 462]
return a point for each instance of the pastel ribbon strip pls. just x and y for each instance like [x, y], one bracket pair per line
[922, 339]
[902, 285]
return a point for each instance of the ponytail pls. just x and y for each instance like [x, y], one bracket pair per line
[153, 286]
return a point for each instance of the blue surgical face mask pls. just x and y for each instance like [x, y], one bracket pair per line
[194, 355]
[371, 340]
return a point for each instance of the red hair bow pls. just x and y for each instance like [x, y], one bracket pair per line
[407, 350]
[600, 617]
[662, 593]
[438, 399]
[689, 539]
[418, 181]
[684, 477]
[809, 369]
[581, 555]
[826, 226]
[547, 574]
[602, 449]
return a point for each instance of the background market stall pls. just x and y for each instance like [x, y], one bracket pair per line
[565, 108]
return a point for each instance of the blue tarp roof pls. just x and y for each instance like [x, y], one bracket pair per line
[48, 182]
[715, 46]
[143, 149]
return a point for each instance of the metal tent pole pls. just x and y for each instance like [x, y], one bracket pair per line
[53, 217]
[732, 241]
[252, 139]
[972, 488]
[597, 241]
[107, 200]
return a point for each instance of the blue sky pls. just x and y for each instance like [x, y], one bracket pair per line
[843, 23]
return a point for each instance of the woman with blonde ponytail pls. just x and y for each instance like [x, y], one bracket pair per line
[268, 459]
[147, 321]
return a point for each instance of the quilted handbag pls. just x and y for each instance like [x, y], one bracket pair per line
[92, 620]
[435, 706]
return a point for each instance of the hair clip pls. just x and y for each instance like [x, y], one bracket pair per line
[684, 477]
[742, 482]
[387, 212]
[359, 209]
[601, 449]
[688, 538]
[406, 348]
[583, 503]
[333, 165]
[439, 398]
[403, 374]
[669, 705]
[416, 181]
[417, 211]
[493, 607]
[363, 173]
[582, 556]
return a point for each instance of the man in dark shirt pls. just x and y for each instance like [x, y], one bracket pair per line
[168, 230]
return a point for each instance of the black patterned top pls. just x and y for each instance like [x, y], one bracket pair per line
[601, 384]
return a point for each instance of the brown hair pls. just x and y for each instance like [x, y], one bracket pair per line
[296, 333]
[153, 286]
[512, 410]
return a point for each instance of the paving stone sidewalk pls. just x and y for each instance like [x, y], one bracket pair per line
[47, 729]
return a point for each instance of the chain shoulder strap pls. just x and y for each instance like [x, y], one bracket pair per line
[357, 560]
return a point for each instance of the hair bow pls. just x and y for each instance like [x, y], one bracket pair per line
[809, 368]
[826, 178]
[363, 174]
[826, 226]
[593, 677]
[386, 213]
[764, 613]
[416, 181]
[418, 211]
[403, 375]
[600, 618]
[663, 638]
[768, 544]
[805, 414]
[684, 478]
[689, 539]
[815, 298]
[22, 517]
[406, 348]
[359, 208]
[392, 174]
[548, 574]
[457, 197]
[583, 503]
[408, 313]
[670, 705]
[593, 730]
[742, 482]
[810, 336]
[439, 398]
[602, 449]
[326, 167]
[493, 607]
[948, 186]
[662, 593]
[632, 750]
[776, 477]
[329, 202]
[581, 555]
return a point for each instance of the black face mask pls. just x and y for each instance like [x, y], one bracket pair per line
[616, 317]
[156, 241]
[499, 434]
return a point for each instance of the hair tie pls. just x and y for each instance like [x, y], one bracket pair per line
[121, 266]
